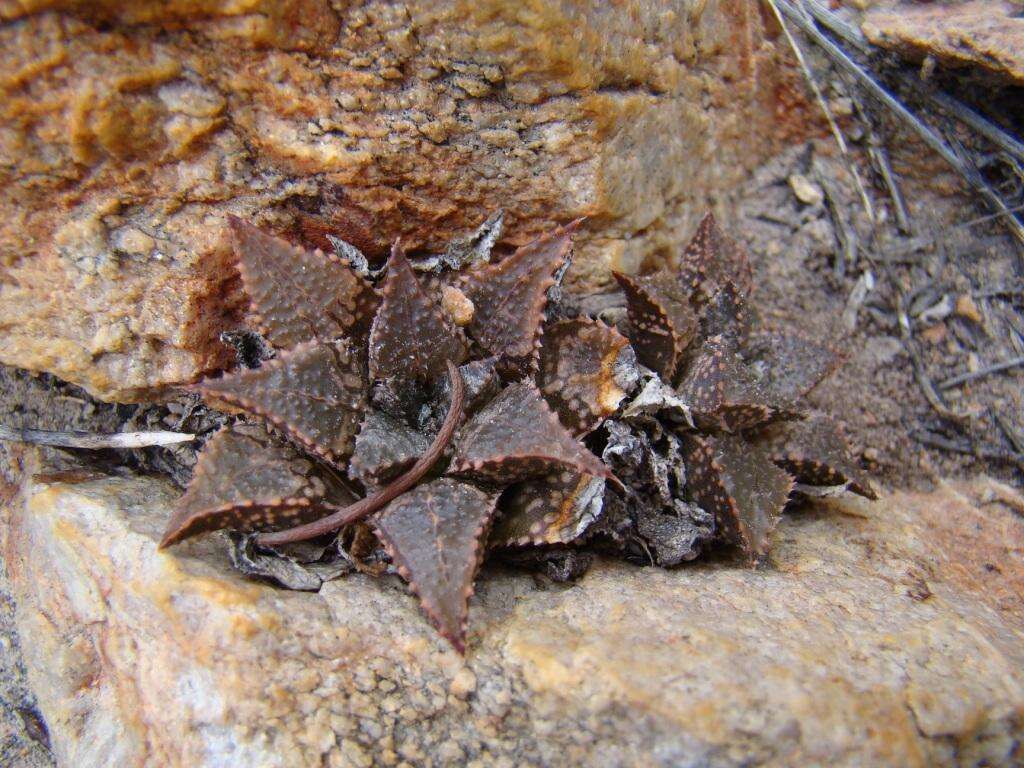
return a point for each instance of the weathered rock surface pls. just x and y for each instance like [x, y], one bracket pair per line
[886, 635]
[129, 131]
[987, 34]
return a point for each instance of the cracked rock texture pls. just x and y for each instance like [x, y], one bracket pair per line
[129, 130]
[889, 634]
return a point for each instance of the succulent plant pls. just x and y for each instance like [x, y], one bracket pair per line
[454, 406]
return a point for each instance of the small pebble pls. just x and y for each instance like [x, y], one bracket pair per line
[806, 191]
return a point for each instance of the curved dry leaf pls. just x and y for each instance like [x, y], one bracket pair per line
[410, 338]
[433, 534]
[247, 480]
[555, 509]
[792, 363]
[517, 436]
[662, 320]
[740, 485]
[586, 370]
[315, 393]
[509, 297]
[815, 453]
[711, 259]
[724, 394]
[300, 295]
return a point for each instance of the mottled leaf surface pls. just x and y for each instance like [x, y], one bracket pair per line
[586, 370]
[550, 510]
[791, 363]
[724, 394]
[247, 480]
[711, 259]
[509, 297]
[740, 484]
[517, 436]
[300, 295]
[410, 338]
[662, 320]
[433, 533]
[315, 393]
[726, 315]
[385, 447]
[815, 453]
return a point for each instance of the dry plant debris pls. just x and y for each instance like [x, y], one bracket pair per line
[415, 422]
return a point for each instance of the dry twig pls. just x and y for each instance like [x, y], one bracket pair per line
[93, 441]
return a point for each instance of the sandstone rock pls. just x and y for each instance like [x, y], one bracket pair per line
[987, 34]
[129, 130]
[886, 635]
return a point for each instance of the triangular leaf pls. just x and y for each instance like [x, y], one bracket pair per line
[300, 295]
[509, 298]
[586, 370]
[710, 259]
[315, 393]
[551, 510]
[662, 320]
[792, 363]
[247, 480]
[385, 447]
[724, 394]
[726, 315]
[741, 486]
[433, 534]
[517, 436]
[410, 339]
[815, 453]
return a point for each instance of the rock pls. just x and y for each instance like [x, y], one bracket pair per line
[806, 191]
[130, 131]
[889, 634]
[986, 34]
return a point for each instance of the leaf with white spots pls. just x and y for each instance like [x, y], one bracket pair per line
[555, 509]
[740, 485]
[662, 321]
[247, 480]
[517, 436]
[815, 453]
[315, 393]
[792, 363]
[586, 370]
[300, 295]
[434, 536]
[711, 259]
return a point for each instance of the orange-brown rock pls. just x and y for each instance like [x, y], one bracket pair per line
[129, 130]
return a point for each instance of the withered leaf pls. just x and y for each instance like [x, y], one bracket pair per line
[247, 480]
[586, 370]
[662, 320]
[385, 447]
[550, 510]
[792, 363]
[740, 484]
[410, 338]
[315, 393]
[509, 297]
[300, 295]
[724, 394]
[711, 259]
[433, 533]
[517, 436]
[815, 453]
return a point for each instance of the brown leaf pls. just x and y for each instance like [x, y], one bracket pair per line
[315, 393]
[793, 363]
[663, 321]
[586, 369]
[509, 298]
[517, 436]
[711, 259]
[550, 510]
[247, 480]
[740, 485]
[433, 533]
[723, 393]
[300, 295]
[815, 453]
[385, 448]
[410, 338]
